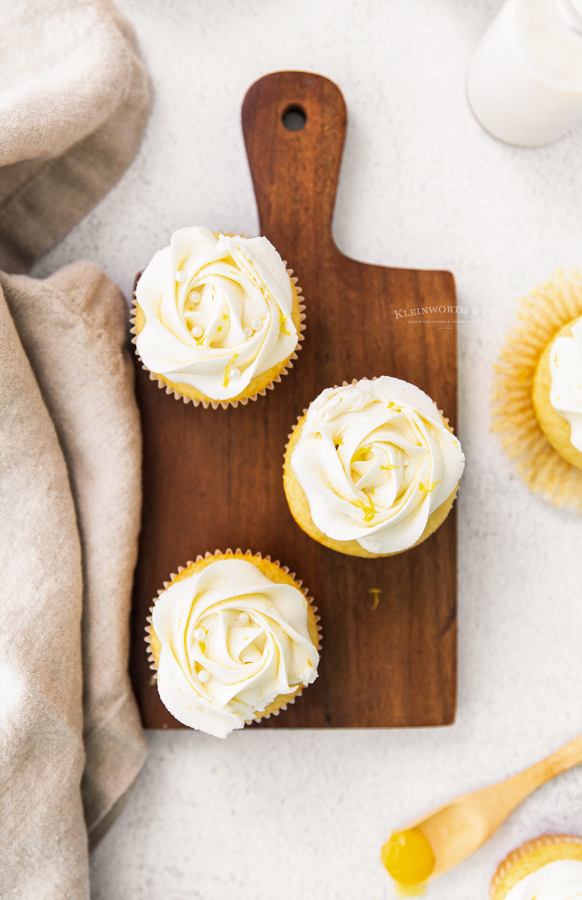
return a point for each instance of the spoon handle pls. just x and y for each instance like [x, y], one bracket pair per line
[524, 783]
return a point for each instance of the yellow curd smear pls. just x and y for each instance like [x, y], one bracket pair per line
[409, 859]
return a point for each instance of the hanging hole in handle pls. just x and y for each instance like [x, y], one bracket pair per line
[294, 117]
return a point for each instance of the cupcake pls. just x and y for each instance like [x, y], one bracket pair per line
[548, 868]
[233, 639]
[537, 394]
[372, 468]
[217, 318]
[557, 392]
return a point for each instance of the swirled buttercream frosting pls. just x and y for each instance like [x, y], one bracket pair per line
[566, 375]
[559, 880]
[231, 641]
[217, 312]
[374, 460]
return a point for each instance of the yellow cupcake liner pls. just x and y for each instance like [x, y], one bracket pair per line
[275, 707]
[166, 385]
[299, 505]
[540, 316]
[530, 857]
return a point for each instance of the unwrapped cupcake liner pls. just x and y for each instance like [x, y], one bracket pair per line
[516, 857]
[226, 403]
[238, 553]
[540, 316]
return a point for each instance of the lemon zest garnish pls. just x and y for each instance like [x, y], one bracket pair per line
[225, 316]
[226, 375]
[337, 442]
[282, 320]
[202, 647]
[427, 488]
[376, 592]
[219, 328]
[369, 511]
[388, 468]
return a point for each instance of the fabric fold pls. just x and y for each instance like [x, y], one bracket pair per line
[72, 327]
[43, 853]
[74, 100]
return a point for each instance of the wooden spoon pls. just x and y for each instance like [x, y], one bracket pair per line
[458, 829]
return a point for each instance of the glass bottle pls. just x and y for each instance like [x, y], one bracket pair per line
[525, 80]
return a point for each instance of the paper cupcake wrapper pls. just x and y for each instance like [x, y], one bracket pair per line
[517, 857]
[249, 554]
[226, 403]
[540, 315]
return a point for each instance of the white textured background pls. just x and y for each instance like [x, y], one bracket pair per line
[303, 814]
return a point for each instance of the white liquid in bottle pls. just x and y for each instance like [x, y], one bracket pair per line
[525, 80]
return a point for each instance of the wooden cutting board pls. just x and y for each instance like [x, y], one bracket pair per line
[213, 478]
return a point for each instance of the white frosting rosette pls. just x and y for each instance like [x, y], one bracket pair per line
[217, 312]
[374, 460]
[558, 880]
[231, 641]
[566, 375]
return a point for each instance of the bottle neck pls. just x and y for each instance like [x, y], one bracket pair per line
[549, 35]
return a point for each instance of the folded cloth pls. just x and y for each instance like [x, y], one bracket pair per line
[41, 747]
[69, 467]
[74, 98]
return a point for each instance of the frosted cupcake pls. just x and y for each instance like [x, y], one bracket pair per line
[218, 318]
[548, 868]
[372, 468]
[233, 639]
[537, 396]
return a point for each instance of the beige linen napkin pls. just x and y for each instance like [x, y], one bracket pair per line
[72, 330]
[74, 98]
[41, 749]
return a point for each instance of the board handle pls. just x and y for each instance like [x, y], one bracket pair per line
[294, 126]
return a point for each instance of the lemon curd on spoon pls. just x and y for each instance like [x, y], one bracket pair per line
[409, 859]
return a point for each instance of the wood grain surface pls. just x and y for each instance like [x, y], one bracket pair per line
[213, 478]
